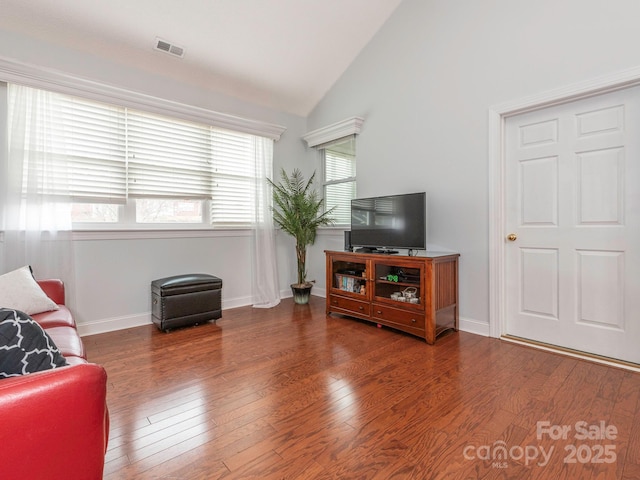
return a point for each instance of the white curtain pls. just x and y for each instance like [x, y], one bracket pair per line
[37, 212]
[266, 291]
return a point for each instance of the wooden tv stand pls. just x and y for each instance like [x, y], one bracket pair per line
[361, 285]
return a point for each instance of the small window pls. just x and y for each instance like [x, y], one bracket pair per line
[340, 177]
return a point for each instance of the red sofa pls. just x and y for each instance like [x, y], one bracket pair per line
[55, 424]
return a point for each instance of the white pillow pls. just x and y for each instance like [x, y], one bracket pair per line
[20, 291]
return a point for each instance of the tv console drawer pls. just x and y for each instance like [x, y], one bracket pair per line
[349, 305]
[394, 315]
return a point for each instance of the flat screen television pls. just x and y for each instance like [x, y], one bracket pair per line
[389, 222]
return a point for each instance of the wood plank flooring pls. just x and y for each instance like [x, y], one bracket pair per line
[290, 393]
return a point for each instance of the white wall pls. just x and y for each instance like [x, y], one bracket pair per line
[425, 84]
[113, 275]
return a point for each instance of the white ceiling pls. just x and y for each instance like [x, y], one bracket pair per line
[283, 54]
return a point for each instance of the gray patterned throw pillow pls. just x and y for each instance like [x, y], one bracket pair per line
[24, 346]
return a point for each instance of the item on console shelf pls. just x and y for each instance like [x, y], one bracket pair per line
[408, 295]
[410, 292]
[348, 283]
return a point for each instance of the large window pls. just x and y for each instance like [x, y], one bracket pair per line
[123, 166]
[340, 177]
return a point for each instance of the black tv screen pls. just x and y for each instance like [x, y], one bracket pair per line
[392, 221]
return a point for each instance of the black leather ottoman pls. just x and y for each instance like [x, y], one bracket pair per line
[184, 300]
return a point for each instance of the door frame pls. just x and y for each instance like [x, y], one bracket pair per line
[497, 116]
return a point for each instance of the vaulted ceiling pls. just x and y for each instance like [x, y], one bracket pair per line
[282, 54]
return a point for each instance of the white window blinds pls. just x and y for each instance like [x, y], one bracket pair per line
[107, 154]
[168, 158]
[340, 178]
[233, 174]
[84, 145]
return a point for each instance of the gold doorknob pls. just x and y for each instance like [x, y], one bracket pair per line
[512, 237]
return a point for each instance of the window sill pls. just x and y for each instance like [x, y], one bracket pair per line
[150, 234]
[87, 234]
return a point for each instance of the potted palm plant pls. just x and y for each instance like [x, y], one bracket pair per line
[298, 211]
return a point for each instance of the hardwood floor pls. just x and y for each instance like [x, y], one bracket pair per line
[290, 393]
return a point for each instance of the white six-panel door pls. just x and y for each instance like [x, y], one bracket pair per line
[573, 215]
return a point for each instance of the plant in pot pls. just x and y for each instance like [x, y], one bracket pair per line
[298, 211]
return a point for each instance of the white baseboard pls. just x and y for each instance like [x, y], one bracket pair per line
[287, 293]
[319, 292]
[470, 325]
[236, 302]
[120, 323]
[112, 324]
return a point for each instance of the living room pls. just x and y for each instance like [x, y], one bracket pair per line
[424, 85]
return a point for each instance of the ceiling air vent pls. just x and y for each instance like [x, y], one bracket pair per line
[169, 48]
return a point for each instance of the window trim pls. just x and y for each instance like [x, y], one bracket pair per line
[157, 233]
[12, 71]
[335, 131]
[324, 137]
